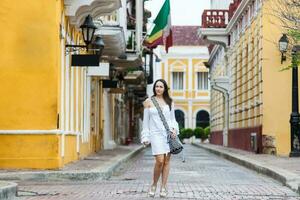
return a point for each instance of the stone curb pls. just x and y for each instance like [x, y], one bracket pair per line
[8, 190]
[287, 178]
[75, 175]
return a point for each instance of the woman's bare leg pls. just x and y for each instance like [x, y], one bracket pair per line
[165, 170]
[159, 162]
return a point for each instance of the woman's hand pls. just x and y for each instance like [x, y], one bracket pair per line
[173, 134]
[146, 143]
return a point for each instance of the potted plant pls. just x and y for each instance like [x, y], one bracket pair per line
[199, 133]
[206, 133]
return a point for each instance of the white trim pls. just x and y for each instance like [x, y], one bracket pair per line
[77, 109]
[62, 86]
[83, 139]
[82, 94]
[87, 105]
[72, 100]
[178, 62]
[35, 132]
[67, 99]
[190, 68]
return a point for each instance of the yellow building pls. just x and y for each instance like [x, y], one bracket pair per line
[187, 77]
[251, 98]
[51, 112]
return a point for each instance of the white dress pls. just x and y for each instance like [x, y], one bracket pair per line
[154, 130]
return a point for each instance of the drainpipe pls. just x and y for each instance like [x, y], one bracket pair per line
[221, 84]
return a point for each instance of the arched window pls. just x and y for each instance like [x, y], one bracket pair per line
[179, 115]
[202, 119]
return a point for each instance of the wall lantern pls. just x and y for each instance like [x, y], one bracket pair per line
[283, 45]
[98, 45]
[88, 30]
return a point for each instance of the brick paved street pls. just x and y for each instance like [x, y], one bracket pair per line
[202, 176]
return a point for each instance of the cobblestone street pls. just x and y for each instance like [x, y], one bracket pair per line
[202, 176]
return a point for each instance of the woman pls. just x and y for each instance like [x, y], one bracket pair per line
[155, 133]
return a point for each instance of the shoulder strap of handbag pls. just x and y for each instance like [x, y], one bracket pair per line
[161, 115]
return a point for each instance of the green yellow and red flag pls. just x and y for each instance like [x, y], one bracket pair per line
[162, 29]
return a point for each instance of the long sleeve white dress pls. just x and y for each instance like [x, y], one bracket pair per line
[154, 131]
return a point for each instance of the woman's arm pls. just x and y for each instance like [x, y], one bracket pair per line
[145, 134]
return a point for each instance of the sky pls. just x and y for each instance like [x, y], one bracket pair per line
[183, 12]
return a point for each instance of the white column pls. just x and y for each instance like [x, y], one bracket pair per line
[123, 16]
[67, 100]
[190, 75]
[108, 143]
[77, 110]
[166, 68]
[139, 23]
[190, 114]
[72, 100]
[88, 107]
[62, 95]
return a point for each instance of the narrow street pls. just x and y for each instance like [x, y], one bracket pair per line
[202, 176]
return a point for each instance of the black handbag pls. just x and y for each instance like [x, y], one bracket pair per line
[174, 143]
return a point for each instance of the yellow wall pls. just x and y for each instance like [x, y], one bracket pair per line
[190, 92]
[276, 85]
[28, 64]
[70, 149]
[30, 151]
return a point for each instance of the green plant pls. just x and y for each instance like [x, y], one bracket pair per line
[199, 132]
[182, 134]
[207, 132]
[189, 132]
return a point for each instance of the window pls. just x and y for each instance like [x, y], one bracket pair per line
[202, 80]
[177, 80]
[202, 119]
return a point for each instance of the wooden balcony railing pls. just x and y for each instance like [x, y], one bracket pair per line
[219, 18]
[215, 18]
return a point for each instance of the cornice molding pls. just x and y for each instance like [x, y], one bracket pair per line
[77, 10]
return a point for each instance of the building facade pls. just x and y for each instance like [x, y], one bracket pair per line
[52, 112]
[187, 77]
[251, 97]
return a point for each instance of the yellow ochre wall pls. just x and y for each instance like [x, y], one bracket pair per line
[30, 151]
[29, 75]
[190, 92]
[28, 64]
[277, 85]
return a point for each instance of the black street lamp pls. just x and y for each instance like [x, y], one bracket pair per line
[98, 45]
[283, 45]
[295, 116]
[88, 30]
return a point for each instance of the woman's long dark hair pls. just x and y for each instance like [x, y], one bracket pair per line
[166, 95]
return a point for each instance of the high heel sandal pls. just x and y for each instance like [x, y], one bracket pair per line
[163, 192]
[152, 190]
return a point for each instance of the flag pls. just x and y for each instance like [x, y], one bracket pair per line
[162, 28]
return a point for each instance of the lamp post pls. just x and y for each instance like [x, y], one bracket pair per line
[295, 116]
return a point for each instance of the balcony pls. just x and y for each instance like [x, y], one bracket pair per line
[215, 18]
[219, 18]
[215, 23]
